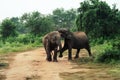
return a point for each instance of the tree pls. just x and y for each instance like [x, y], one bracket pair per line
[64, 18]
[36, 23]
[97, 19]
[20, 28]
[8, 29]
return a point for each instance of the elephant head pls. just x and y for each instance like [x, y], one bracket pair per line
[65, 33]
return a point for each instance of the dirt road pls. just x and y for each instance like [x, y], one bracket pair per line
[32, 65]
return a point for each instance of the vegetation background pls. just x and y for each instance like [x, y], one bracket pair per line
[96, 18]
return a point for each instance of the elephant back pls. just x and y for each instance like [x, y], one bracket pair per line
[80, 35]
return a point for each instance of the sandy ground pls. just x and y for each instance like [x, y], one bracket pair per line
[32, 65]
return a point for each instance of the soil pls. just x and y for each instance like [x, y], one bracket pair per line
[32, 65]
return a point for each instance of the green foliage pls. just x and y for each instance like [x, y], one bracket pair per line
[109, 56]
[21, 43]
[36, 23]
[8, 29]
[100, 48]
[20, 27]
[15, 47]
[97, 41]
[108, 52]
[62, 18]
[24, 39]
[116, 43]
[97, 19]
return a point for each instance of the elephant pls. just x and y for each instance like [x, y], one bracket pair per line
[76, 40]
[51, 42]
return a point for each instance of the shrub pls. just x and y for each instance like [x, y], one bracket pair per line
[20, 43]
[116, 44]
[110, 53]
[108, 56]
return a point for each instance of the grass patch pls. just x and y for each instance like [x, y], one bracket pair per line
[20, 43]
[115, 70]
[18, 47]
[108, 52]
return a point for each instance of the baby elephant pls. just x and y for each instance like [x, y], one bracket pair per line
[51, 42]
[75, 40]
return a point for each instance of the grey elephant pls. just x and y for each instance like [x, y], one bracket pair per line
[75, 40]
[51, 42]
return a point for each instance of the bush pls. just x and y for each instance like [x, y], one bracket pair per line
[24, 38]
[108, 56]
[21, 43]
[116, 43]
[109, 51]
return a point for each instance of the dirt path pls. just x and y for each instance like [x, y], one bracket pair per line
[32, 65]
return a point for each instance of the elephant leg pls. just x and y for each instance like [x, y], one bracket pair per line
[77, 54]
[62, 50]
[89, 51]
[70, 54]
[48, 52]
[69, 43]
[55, 55]
[49, 57]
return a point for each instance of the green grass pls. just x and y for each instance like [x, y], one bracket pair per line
[20, 43]
[106, 53]
[18, 47]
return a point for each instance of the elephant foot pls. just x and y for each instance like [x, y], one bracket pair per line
[55, 60]
[69, 59]
[60, 56]
[49, 59]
